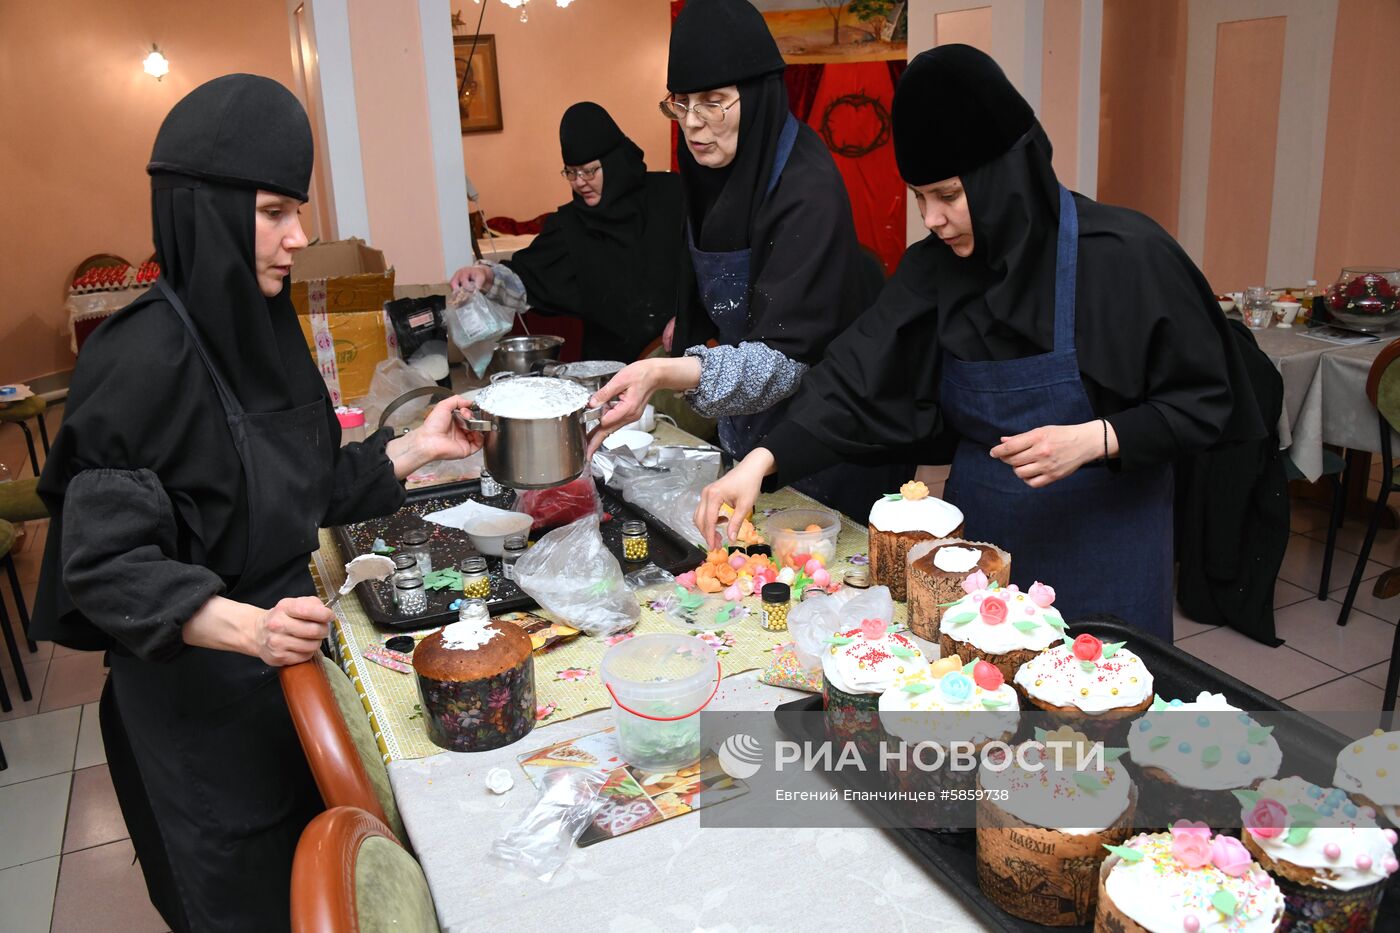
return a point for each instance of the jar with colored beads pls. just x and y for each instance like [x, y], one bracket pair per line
[635, 544]
[777, 597]
[476, 581]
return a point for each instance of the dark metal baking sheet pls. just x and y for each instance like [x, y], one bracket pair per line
[449, 546]
[1309, 749]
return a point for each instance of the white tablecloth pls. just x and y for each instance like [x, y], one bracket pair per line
[669, 876]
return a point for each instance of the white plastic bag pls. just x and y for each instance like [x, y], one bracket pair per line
[472, 318]
[571, 573]
[542, 840]
[392, 378]
[813, 621]
[672, 496]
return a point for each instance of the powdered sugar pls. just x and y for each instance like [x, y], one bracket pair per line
[532, 397]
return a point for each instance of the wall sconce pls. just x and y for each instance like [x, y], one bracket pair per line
[156, 65]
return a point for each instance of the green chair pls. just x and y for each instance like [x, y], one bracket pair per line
[350, 876]
[7, 541]
[20, 502]
[19, 413]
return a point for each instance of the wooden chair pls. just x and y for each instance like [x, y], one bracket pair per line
[339, 744]
[350, 876]
[1383, 391]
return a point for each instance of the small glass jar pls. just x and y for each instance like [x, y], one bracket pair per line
[776, 599]
[415, 542]
[812, 592]
[489, 487]
[858, 579]
[476, 580]
[635, 544]
[474, 611]
[511, 551]
[409, 594]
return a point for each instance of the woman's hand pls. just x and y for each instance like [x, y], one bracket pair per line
[441, 436]
[291, 631]
[477, 278]
[737, 489]
[668, 335]
[1051, 453]
[633, 387]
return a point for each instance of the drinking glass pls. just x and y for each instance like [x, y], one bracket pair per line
[1258, 307]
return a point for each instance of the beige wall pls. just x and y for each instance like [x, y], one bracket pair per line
[1059, 88]
[79, 117]
[609, 51]
[1360, 217]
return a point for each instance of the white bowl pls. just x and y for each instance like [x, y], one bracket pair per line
[639, 442]
[1226, 304]
[489, 532]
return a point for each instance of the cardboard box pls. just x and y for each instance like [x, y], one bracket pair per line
[339, 290]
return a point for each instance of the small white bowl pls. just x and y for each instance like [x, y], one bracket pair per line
[489, 532]
[1226, 304]
[639, 442]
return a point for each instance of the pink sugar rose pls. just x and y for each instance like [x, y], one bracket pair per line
[1190, 849]
[977, 580]
[993, 610]
[687, 579]
[1267, 820]
[1041, 594]
[1230, 856]
[873, 629]
[1088, 648]
[1013, 588]
[1189, 828]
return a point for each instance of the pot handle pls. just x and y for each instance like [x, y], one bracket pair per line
[484, 424]
[435, 393]
[594, 414]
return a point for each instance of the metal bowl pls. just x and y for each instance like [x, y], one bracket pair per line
[522, 355]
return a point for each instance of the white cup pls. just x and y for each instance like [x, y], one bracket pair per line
[647, 422]
[1287, 312]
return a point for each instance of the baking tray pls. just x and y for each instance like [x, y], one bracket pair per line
[450, 545]
[1309, 750]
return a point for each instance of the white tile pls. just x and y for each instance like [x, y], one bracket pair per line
[1385, 549]
[45, 648]
[90, 749]
[32, 816]
[1183, 627]
[1286, 594]
[1311, 627]
[1276, 671]
[26, 893]
[1376, 674]
[1306, 515]
[1366, 601]
[37, 746]
[1353, 704]
[1302, 564]
[37, 674]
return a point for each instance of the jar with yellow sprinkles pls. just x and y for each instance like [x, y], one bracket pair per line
[776, 599]
[476, 581]
[635, 544]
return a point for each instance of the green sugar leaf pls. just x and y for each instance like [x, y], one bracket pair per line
[993, 586]
[692, 601]
[386, 549]
[1069, 642]
[1054, 621]
[1158, 741]
[1113, 754]
[993, 704]
[893, 497]
[1040, 735]
[1026, 625]
[1224, 902]
[899, 651]
[1297, 835]
[1258, 735]
[1210, 755]
[917, 687]
[961, 618]
[953, 603]
[723, 615]
[839, 640]
[1125, 853]
[1089, 783]
[1088, 667]
[969, 667]
[1302, 813]
[1247, 798]
[1111, 648]
[1158, 704]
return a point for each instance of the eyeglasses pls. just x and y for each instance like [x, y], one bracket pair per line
[585, 173]
[709, 112]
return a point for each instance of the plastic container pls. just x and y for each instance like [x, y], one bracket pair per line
[789, 537]
[659, 684]
[777, 598]
[352, 424]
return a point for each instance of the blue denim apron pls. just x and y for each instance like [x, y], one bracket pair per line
[1102, 539]
[723, 281]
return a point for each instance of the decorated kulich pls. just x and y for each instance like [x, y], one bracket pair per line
[1000, 625]
[1187, 880]
[1189, 755]
[861, 663]
[936, 573]
[1326, 852]
[476, 683]
[950, 701]
[900, 520]
[1094, 684]
[1369, 771]
[1042, 828]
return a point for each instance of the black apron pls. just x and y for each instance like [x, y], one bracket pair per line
[207, 766]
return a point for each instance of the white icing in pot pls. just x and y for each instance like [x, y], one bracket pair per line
[954, 559]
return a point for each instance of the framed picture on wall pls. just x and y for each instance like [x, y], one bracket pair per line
[478, 84]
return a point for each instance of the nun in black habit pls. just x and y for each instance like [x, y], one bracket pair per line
[1071, 350]
[612, 257]
[198, 456]
[771, 240]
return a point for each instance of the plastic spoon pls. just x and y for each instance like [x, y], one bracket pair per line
[362, 568]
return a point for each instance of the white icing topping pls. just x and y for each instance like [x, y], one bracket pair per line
[1026, 626]
[1157, 740]
[1359, 840]
[954, 559]
[934, 516]
[868, 665]
[1159, 893]
[366, 567]
[1058, 678]
[532, 397]
[1052, 797]
[468, 634]
[916, 709]
[1371, 767]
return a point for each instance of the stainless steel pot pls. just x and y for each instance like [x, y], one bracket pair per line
[591, 374]
[534, 453]
[523, 355]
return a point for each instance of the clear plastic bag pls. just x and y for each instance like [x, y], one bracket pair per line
[571, 573]
[649, 576]
[560, 505]
[392, 378]
[569, 800]
[813, 621]
[473, 319]
[671, 495]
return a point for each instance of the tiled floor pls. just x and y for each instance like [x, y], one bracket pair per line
[66, 863]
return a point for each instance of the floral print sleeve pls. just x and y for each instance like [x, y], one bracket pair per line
[506, 288]
[742, 380]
